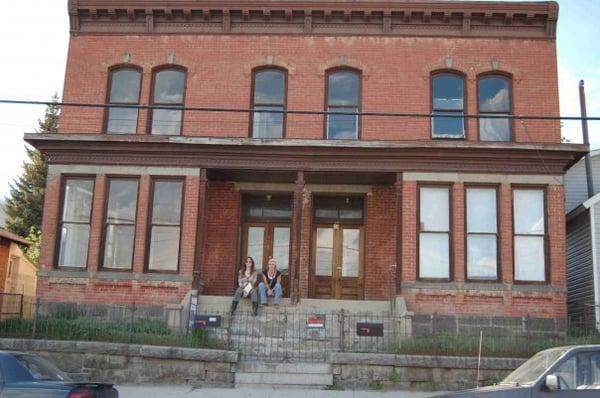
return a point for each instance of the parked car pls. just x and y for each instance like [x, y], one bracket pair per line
[27, 375]
[572, 371]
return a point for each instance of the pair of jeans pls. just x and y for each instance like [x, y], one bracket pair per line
[262, 289]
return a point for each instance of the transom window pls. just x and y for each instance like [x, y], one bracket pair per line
[434, 233]
[482, 234]
[168, 90]
[124, 90]
[447, 104]
[120, 223]
[530, 235]
[269, 95]
[343, 96]
[75, 222]
[494, 99]
[165, 225]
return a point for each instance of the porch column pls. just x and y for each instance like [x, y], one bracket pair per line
[200, 235]
[398, 186]
[297, 234]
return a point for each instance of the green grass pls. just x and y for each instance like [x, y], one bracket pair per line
[87, 328]
[456, 345]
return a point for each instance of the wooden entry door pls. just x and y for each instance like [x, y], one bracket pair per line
[264, 240]
[338, 262]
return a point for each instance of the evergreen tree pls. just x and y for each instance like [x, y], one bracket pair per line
[24, 205]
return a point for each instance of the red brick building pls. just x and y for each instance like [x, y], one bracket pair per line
[459, 216]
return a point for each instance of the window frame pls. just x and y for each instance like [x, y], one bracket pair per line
[255, 72]
[105, 222]
[149, 224]
[450, 187]
[463, 77]
[546, 236]
[155, 71]
[498, 233]
[111, 70]
[511, 122]
[328, 73]
[58, 236]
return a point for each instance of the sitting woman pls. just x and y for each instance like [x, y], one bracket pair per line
[271, 284]
[246, 286]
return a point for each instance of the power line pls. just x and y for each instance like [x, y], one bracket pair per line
[296, 112]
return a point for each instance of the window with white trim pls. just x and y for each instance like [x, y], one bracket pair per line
[530, 235]
[434, 233]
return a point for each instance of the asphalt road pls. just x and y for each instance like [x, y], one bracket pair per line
[187, 392]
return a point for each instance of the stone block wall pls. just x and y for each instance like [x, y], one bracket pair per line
[132, 364]
[415, 372]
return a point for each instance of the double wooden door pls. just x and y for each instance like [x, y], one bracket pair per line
[338, 265]
[266, 240]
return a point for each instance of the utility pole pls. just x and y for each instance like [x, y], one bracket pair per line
[586, 140]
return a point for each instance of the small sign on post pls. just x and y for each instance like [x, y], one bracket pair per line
[207, 321]
[369, 329]
[315, 322]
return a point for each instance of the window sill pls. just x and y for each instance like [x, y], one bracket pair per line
[483, 286]
[112, 275]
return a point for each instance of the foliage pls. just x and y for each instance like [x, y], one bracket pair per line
[504, 347]
[80, 327]
[24, 205]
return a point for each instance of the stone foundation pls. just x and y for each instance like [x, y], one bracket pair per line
[133, 364]
[415, 372]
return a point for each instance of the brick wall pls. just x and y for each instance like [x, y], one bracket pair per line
[396, 78]
[482, 299]
[221, 243]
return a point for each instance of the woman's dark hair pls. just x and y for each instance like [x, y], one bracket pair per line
[244, 265]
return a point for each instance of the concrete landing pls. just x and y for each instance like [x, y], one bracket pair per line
[283, 375]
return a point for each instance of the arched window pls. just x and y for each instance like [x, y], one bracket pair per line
[448, 93]
[124, 86]
[343, 96]
[168, 90]
[494, 99]
[269, 93]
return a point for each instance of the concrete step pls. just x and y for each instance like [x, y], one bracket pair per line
[279, 367]
[284, 387]
[284, 379]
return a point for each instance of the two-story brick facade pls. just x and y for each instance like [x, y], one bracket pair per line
[458, 216]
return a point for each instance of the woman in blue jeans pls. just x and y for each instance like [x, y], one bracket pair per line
[271, 284]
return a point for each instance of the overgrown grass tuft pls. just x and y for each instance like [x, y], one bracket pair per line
[502, 347]
[87, 328]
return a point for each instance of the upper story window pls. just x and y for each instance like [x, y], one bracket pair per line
[168, 90]
[269, 93]
[124, 90]
[343, 96]
[75, 222]
[448, 92]
[494, 99]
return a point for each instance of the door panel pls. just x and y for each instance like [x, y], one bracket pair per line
[281, 248]
[264, 240]
[255, 245]
[337, 262]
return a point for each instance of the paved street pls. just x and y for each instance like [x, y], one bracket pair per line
[187, 392]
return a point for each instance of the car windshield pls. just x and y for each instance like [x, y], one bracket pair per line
[41, 369]
[531, 370]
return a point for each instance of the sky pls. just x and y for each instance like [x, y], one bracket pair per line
[35, 42]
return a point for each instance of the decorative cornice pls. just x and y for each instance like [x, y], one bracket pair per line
[312, 17]
[308, 155]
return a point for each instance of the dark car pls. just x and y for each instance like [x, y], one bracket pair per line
[557, 372]
[27, 375]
